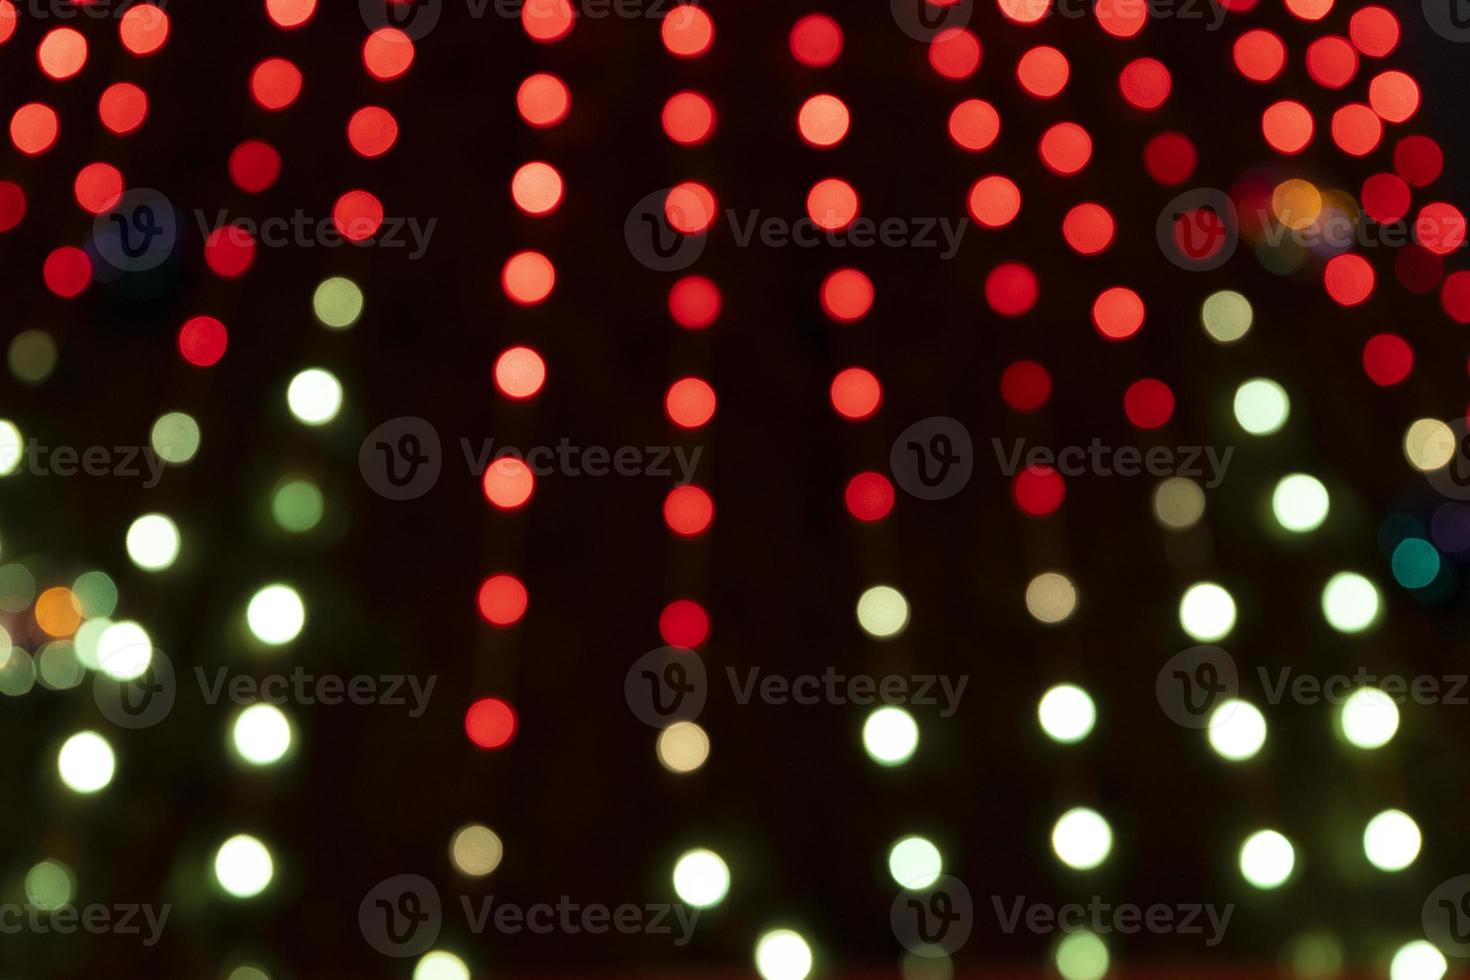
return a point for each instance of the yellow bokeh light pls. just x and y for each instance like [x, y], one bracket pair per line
[1296, 203]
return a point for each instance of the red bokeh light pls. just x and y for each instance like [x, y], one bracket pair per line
[816, 40]
[62, 53]
[1418, 159]
[520, 372]
[694, 302]
[202, 341]
[508, 483]
[528, 278]
[123, 107]
[1387, 359]
[974, 124]
[372, 131]
[1145, 83]
[67, 271]
[1043, 71]
[688, 510]
[869, 496]
[1170, 158]
[388, 52]
[1065, 148]
[690, 207]
[1118, 313]
[1038, 490]
[543, 100]
[1374, 31]
[1088, 228]
[502, 600]
[34, 128]
[1011, 289]
[12, 205]
[1259, 55]
[1440, 228]
[1148, 403]
[832, 203]
[1287, 126]
[847, 295]
[955, 53]
[688, 118]
[275, 84]
[856, 393]
[536, 188]
[254, 166]
[1025, 386]
[994, 201]
[229, 251]
[1331, 61]
[490, 723]
[1385, 197]
[683, 623]
[1394, 95]
[688, 31]
[98, 187]
[1349, 279]
[822, 120]
[143, 29]
[690, 402]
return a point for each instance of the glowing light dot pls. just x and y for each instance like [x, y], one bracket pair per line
[687, 31]
[243, 866]
[688, 118]
[823, 120]
[782, 954]
[536, 188]
[98, 187]
[974, 124]
[528, 278]
[261, 734]
[357, 215]
[1368, 718]
[955, 53]
[1082, 839]
[683, 623]
[144, 29]
[440, 965]
[1418, 960]
[1237, 730]
[288, 14]
[1207, 612]
[994, 201]
[832, 204]
[1261, 406]
[337, 303]
[816, 40]
[847, 295]
[122, 107]
[34, 128]
[491, 723]
[275, 615]
[1118, 313]
[688, 510]
[1287, 126]
[1067, 714]
[388, 53]
[1259, 55]
[1267, 859]
[1082, 956]
[314, 396]
[502, 600]
[1429, 444]
[1350, 602]
[1300, 503]
[1051, 597]
[682, 747]
[915, 863]
[86, 762]
[124, 651]
[690, 402]
[543, 100]
[275, 84]
[1391, 841]
[520, 372]
[890, 735]
[153, 542]
[701, 878]
[1043, 72]
[476, 850]
[372, 131]
[62, 53]
[1065, 148]
[856, 393]
[882, 612]
[508, 483]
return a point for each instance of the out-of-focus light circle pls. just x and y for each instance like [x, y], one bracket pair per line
[387, 53]
[261, 734]
[1065, 148]
[372, 131]
[1429, 444]
[50, 885]
[337, 302]
[1082, 839]
[124, 650]
[1118, 312]
[243, 866]
[1082, 956]
[1067, 714]
[440, 965]
[275, 83]
[86, 762]
[823, 120]
[288, 14]
[688, 510]
[297, 505]
[955, 53]
[1391, 841]
[536, 188]
[543, 100]
[974, 124]
[34, 128]
[528, 278]
[1350, 602]
[1416, 563]
[816, 40]
[890, 735]
[1179, 503]
[915, 863]
[1043, 71]
[1207, 612]
[153, 542]
[1237, 730]
[847, 295]
[1374, 31]
[690, 402]
[832, 203]
[1418, 960]
[683, 747]
[67, 272]
[1287, 126]
[994, 201]
[519, 372]
[476, 850]
[502, 600]
[314, 396]
[203, 340]
[275, 614]
[508, 483]
[687, 31]
[254, 166]
[1349, 279]
[782, 954]
[683, 623]
[144, 29]
[882, 612]
[1261, 406]
[491, 723]
[856, 393]
[1267, 859]
[1368, 718]
[62, 53]
[701, 878]
[688, 118]
[694, 302]
[1300, 503]
[869, 496]
[1051, 597]
[122, 107]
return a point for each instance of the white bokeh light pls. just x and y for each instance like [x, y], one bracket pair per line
[1082, 839]
[1237, 729]
[315, 396]
[1207, 612]
[261, 734]
[153, 542]
[701, 878]
[782, 954]
[276, 614]
[86, 762]
[243, 866]
[890, 735]
[1267, 859]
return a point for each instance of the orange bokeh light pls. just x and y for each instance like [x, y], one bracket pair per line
[536, 188]
[832, 203]
[528, 278]
[543, 100]
[822, 120]
[520, 372]
[508, 483]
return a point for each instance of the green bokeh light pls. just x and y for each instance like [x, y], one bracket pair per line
[337, 303]
[97, 593]
[175, 437]
[32, 356]
[50, 885]
[1415, 563]
[297, 505]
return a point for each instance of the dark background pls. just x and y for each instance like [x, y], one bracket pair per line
[788, 797]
